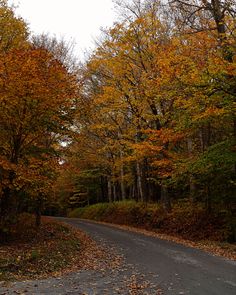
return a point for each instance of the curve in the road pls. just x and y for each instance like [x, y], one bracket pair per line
[176, 268]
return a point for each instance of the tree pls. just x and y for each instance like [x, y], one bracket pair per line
[37, 98]
[214, 20]
[157, 103]
[13, 30]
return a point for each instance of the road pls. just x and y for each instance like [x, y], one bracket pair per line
[177, 269]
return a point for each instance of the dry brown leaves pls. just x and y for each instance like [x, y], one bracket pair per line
[56, 249]
[94, 256]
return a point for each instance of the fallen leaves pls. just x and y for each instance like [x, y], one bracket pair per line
[55, 249]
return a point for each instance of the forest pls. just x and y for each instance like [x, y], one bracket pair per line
[149, 117]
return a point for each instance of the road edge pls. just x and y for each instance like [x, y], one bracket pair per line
[223, 250]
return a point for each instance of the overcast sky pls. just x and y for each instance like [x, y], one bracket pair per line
[79, 20]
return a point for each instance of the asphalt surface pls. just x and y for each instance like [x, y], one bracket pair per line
[177, 269]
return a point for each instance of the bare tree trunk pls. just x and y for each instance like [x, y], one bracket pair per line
[114, 191]
[165, 198]
[192, 186]
[201, 140]
[103, 189]
[88, 199]
[122, 185]
[139, 182]
[133, 192]
[109, 190]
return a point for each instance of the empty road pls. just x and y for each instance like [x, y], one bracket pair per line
[177, 269]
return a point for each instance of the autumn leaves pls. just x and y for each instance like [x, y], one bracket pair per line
[36, 98]
[156, 106]
[149, 116]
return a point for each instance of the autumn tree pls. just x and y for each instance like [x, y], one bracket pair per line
[214, 21]
[37, 100]
[13, 29]
[157, 106]
[122, 102]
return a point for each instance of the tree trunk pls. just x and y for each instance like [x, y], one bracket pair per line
[109, 190]
[165, 198]
[133, 192]
[192, 186]
[114, 191]
[103, 189]
[139, 182]
[122, 185]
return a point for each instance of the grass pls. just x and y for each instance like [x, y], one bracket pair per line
[32, 253]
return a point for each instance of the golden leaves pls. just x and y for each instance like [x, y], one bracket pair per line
[37, 98]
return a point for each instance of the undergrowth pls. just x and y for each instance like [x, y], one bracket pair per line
[34, 253]
[184, 220]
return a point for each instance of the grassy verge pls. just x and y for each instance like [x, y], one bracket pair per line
[211, 231]
[33, 253]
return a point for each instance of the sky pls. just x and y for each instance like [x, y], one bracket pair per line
[77, 20]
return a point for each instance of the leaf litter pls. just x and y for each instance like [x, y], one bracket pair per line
[94, 268]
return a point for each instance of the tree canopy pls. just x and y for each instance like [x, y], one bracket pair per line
[150, 116]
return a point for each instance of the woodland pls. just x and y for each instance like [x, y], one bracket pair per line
[149, 117]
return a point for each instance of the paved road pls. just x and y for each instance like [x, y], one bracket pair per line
[175, 268]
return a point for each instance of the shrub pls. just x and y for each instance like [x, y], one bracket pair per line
[184, 220]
